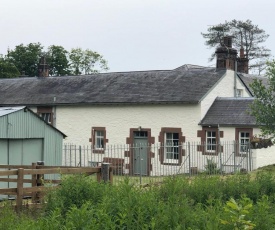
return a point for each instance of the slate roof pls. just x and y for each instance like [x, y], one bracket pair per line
[186, 84]
[229, 112]
[247, 79]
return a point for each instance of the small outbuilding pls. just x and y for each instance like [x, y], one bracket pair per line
[27, 138]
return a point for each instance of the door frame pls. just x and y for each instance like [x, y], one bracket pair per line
[130, 152]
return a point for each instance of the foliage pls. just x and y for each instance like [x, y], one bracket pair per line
[57, 59]
[236, 217]
[211, 167]
[7, 69]
[86, 61]
[246, 35]
[26, 58]
[203, 202]
[263, 106]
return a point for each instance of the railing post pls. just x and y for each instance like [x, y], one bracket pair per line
[80, 161]
[105, 172]
[19, 198]
[235, 151]
[189, 159]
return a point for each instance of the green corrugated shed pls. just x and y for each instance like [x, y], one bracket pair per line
[22, 130]
[26, 138]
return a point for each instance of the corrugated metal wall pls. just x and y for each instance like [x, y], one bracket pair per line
[26, 125]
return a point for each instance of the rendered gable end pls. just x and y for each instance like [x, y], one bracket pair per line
[223, 88]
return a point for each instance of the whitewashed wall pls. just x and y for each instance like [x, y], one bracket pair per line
[263, 157]
[76, 121]
[223, 88]
[229, 133]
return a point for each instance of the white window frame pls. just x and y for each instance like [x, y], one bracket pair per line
[99, 135]
[211, 141]
[239, 93]
[243, 141]
[47, 117]
[170, 147]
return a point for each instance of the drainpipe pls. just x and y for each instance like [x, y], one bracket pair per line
[235, 79]
[54, 112]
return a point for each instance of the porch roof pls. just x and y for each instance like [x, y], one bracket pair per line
[229, 112]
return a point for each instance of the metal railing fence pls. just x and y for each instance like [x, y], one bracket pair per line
[154, 162]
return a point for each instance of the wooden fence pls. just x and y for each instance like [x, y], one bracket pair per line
[37, 172]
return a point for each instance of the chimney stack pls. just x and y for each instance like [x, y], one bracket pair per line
[43, 68]
[227, 41]
[242, 65]
[226, 55]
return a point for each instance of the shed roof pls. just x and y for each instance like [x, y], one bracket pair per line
[229, 112]
[186, 84]
[8, 110]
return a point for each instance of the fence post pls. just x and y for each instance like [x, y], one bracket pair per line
[105, 171]
[39, 181]
[19, 198]
[34, 176]
[111, 176]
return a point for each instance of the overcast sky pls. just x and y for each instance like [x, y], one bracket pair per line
[130, 34]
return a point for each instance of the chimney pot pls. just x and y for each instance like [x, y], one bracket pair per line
[242, 52]
[227, 41]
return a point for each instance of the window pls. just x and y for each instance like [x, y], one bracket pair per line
[171, 145]
[239, 93]
[98, 139]
[244, 141]
[171, 149]
[243, 136]
[46, 113]
[46, 117]
[211, 142]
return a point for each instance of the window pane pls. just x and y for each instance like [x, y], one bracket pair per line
[169, 135]
[46, 117]
[175, 136]
[99, 139]
[99, 133]
[244, 141]
[172, 143]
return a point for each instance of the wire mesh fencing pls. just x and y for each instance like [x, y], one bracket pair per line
[152, 163]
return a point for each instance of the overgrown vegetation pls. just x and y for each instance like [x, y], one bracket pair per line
[203, 202]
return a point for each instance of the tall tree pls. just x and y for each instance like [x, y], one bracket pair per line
[57, 59]
[263, 106]
[26, 58]
[7, 69]
[246, 35]
[86, 61]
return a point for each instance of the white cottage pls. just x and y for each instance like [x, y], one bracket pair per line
[144, 107]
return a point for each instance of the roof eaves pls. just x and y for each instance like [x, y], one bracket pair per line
[251, 94]
[216, 83]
